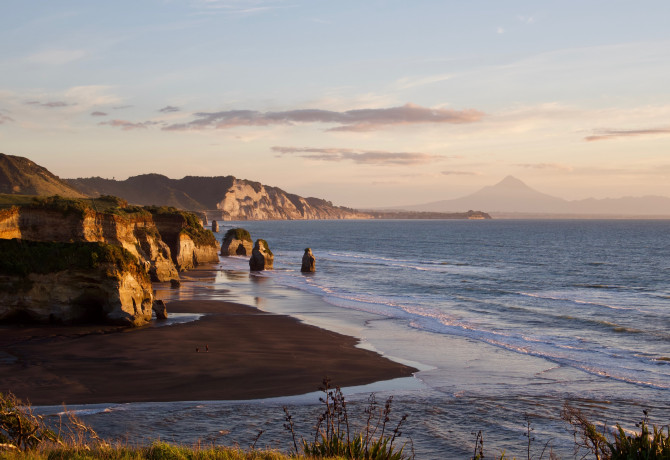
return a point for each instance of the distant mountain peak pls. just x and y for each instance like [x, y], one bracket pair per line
[511, 182]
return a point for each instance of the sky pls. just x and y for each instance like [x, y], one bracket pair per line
[364, 103]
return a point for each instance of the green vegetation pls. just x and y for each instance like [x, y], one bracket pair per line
[645, 445]
[263, 245]
[157, 451]
[24, 435]
[19, 427]
[190, 223]
[238, 234]
[21, 257]
[333, 436]
[106, 204]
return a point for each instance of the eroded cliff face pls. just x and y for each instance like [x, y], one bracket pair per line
[189, 243]
[137, 234]
[254, 201]
[54, 233]
[72, 282]
[75, 296]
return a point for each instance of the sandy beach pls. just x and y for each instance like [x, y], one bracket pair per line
[242, 353]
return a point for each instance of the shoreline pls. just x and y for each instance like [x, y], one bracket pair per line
[243, 353]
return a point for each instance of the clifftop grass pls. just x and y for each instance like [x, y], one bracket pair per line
[21, 257]
[105, 204]
[190, 224]
[238, 234]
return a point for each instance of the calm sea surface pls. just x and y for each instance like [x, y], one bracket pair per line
[507, 321]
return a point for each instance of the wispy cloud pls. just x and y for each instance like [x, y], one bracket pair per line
[128, 125]
[50, 104]
[4, 119]
[412, 82]
[547, 166]
[169, 108]
[98, 114]
[55, 57]
[121, 107]
[351, 120]
[238, 6]
[367, 157]
[461, 173]
[605, 134]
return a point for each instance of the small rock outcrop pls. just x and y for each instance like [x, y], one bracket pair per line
[237, 242]
[308, 262]
[159, 309]
[261, 257]
[215, 226]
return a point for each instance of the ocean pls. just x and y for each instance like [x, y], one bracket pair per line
[506, 320]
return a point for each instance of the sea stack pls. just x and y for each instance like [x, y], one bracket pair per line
[237, 242]
[159, 309]
[308, 262]
[261, 257]
[215, 226]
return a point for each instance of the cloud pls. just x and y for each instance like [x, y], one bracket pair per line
[500, 30]
[51, 104]
[98, 114]
[121, 107]
[606, 134]
[366, 157]
[128, 125]
[547, 166]
[55, 57]
[412, 82]
[350, 120]
[460, 173]
[4, 119]
[169, 108]
[238, 6]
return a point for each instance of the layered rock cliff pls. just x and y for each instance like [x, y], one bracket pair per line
[255, 201]
[61, 225]
[63, 220]
[189, 243]
[220, 198]
[72, 282]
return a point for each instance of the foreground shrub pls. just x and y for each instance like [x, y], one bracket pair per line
[20, 429]
[644, 445]
[333, 436]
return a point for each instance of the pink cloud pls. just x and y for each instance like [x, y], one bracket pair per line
[350, 120]
[606, 134]
[127, 125]
[369, 157]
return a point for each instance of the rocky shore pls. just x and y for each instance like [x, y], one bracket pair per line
[232, 352]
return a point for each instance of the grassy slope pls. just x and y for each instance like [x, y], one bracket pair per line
[20, 175]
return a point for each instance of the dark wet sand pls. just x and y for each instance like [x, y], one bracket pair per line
[252, 354]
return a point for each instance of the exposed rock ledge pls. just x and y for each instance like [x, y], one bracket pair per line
[72, 282]
[159, 242]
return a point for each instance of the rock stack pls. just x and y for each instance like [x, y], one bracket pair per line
[236, 242]
[215, 226]
[261, 257]
[308, 262]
